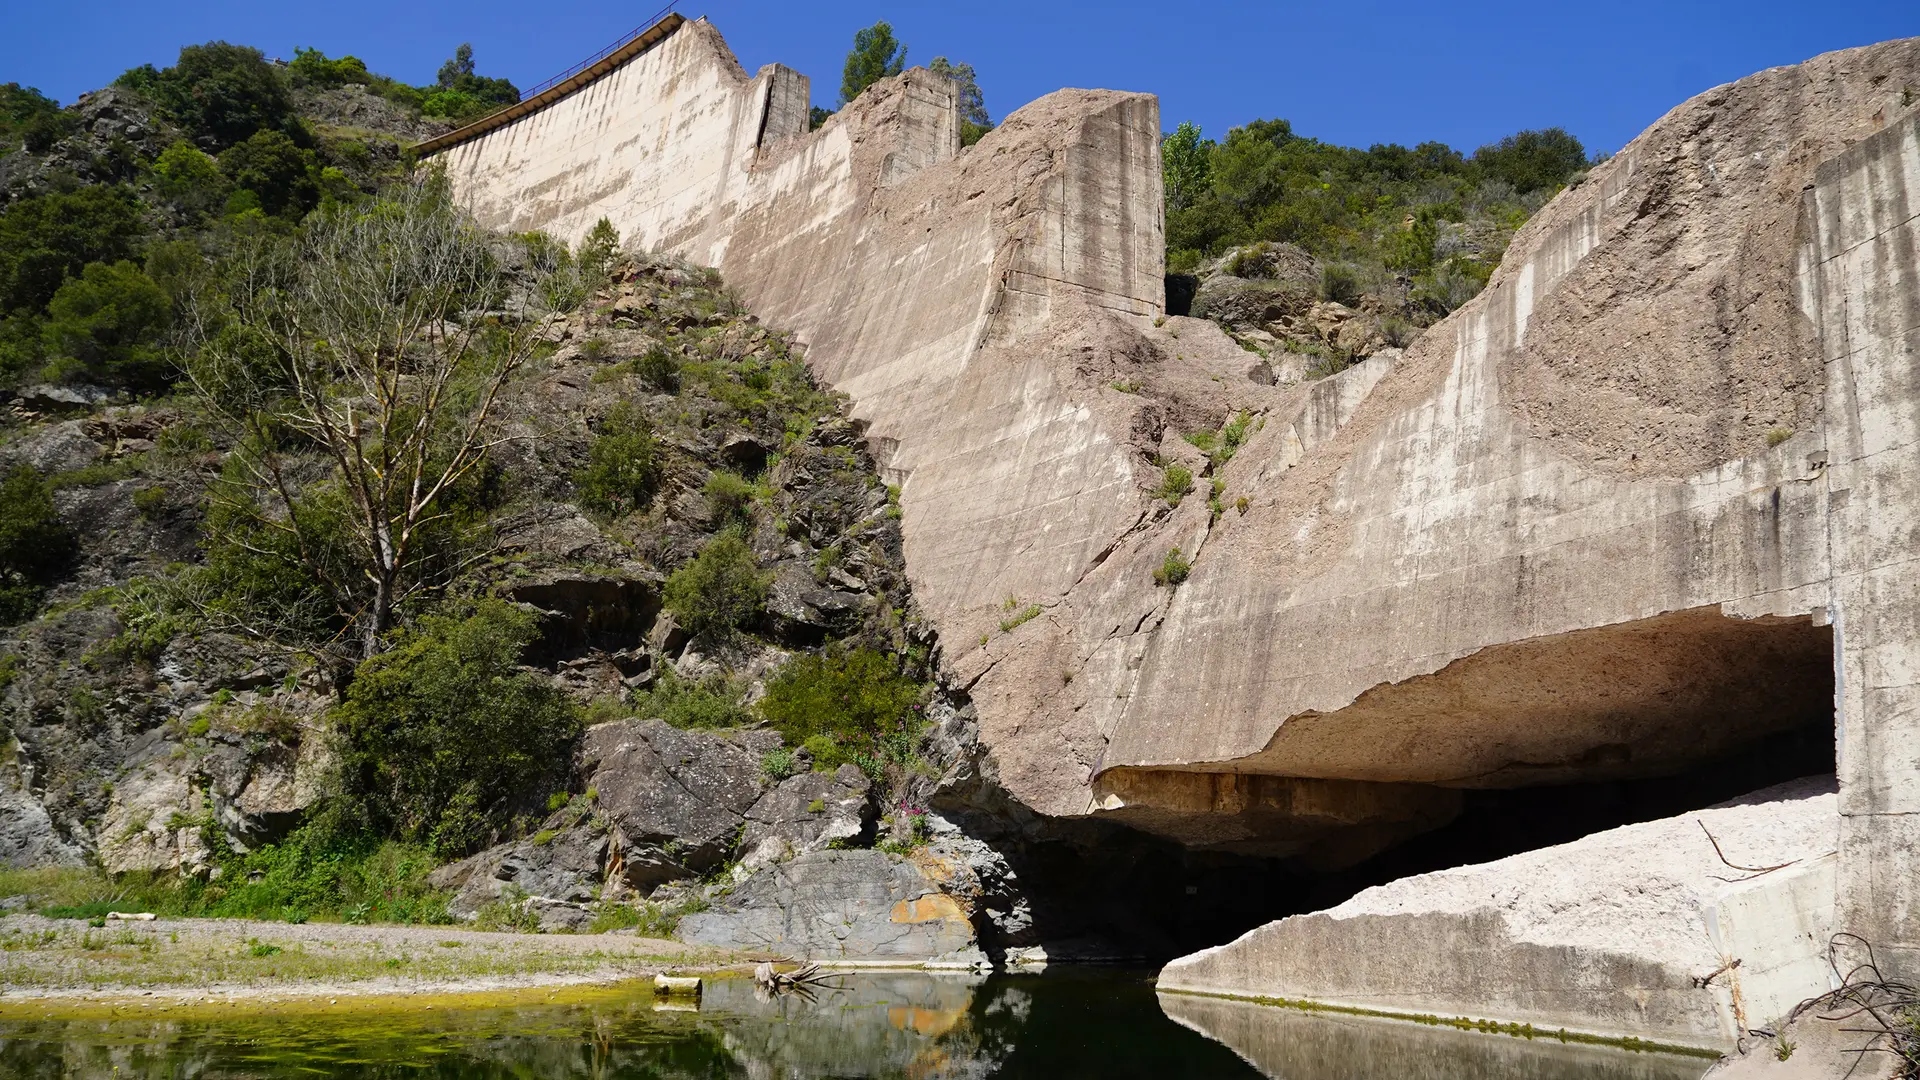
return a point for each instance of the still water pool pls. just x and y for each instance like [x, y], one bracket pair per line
[1104, 1024]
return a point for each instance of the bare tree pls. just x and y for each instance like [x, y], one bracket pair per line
[360, 376]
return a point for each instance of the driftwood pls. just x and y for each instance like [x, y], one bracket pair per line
[803, 980]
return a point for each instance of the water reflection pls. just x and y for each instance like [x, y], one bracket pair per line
[1286, 1044]
[907, 1025]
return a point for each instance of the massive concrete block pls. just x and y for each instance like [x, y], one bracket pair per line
[1634, 931]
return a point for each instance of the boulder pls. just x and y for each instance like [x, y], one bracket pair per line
[685, 793]
[1240, 302]
[807, 813]
[841, 905]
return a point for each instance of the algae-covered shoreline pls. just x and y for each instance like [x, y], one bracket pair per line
[68, 964]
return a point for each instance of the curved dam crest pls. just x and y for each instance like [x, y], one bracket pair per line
[1638, 502]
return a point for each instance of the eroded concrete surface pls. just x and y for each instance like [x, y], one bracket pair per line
[1608, 519]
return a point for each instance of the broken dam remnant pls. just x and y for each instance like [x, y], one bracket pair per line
[1649, 503]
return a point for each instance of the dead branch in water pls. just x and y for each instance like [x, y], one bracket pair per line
[769, 980]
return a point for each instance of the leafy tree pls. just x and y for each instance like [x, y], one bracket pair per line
[311, 67]
[1533, 160]
[875, 56]
[220, 93]
[45, 238]
[1184, 166]
[720, 590]
[108, 322]
[974, 121]
[188, 179]
[444, 731]
[369, 350]
[857, 697]
[460, 93]
[282, 178]
[623, 467]
[597, 250]
[34, 545]
[816, 116]
[30, 117]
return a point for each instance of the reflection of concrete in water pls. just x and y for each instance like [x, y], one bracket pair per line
[912, 1024]
[1287, 1044]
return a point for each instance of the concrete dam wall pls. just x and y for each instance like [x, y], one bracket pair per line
[1648, 499]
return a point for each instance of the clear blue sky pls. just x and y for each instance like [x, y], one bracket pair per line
[1348, 71]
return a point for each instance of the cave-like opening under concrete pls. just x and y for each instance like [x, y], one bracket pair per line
[1683, 712]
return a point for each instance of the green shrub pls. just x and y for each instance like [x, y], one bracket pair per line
[856, 698]
[1533, 160]
[826, 752]
[609, 916]
[29, 116]
[1173, 569]
[108, 324]
[444, 732]
[710, 703]
[658, 369]
[730, 499]
[1175, 482]
[461, 94]
[1339, 283]
[34, 545]
[623, 466]
[311, 67]
[777, 765]
[597, 249]
[189, 179]
[720, 590]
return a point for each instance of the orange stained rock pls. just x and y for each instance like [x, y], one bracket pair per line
[927, 908]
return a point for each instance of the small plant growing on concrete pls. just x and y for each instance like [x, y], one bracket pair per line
[1173, 570]
[1778, 435]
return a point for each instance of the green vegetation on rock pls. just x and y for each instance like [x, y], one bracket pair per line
[445, 735]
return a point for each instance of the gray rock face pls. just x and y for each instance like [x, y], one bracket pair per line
[566, 868]
[684, 794]
[52, 449]
[849, 905]
[806, 813]
[27, 835]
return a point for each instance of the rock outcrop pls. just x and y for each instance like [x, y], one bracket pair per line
[840, 905]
